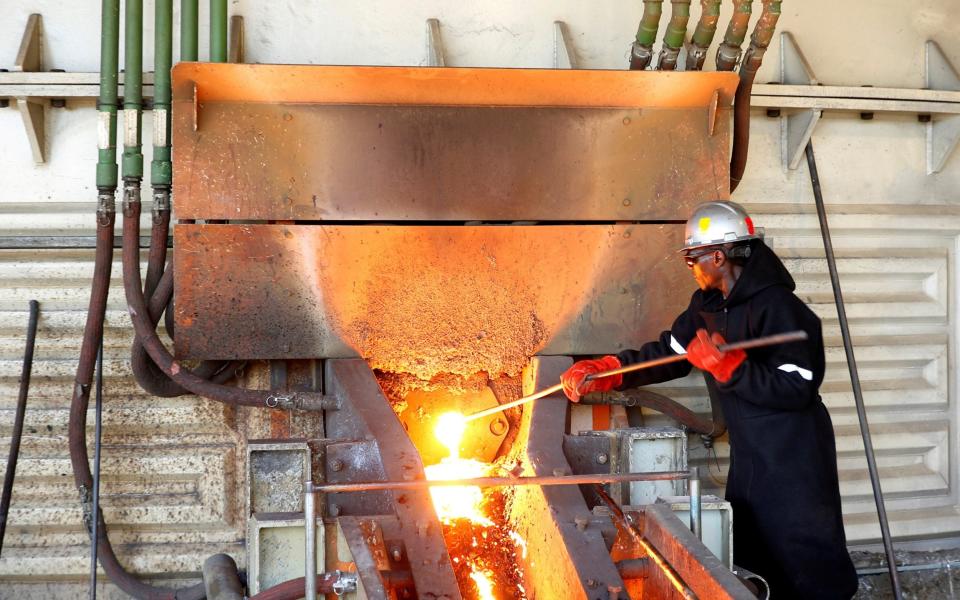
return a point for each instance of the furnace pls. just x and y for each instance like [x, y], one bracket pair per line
[464, 231]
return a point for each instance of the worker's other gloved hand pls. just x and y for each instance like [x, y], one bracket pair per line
[704, 354]
[573, 378]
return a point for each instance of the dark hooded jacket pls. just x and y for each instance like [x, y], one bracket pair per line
[782, 481]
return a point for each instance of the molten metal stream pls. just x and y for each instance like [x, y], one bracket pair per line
[455, 504]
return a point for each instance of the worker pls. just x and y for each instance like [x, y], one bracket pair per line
[782, 482]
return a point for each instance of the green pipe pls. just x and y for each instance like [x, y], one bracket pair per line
[218, 30]
[160, 169]
[675, 34]
[649, 22]
[107, 102]
[729, 52]
[189, 25]
[132, 164]
[703, 35]
[642, 50]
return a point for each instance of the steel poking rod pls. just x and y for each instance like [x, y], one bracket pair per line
[696, 506]
[97, 434]
[541, 480]
[770, 340]
[854, 375]
[17, 433]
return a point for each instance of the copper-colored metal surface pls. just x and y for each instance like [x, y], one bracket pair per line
[424, 300]
[377, 143]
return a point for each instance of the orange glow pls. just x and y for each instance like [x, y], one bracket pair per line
[460, 502]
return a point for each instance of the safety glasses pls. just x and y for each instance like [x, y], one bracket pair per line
[693, 258]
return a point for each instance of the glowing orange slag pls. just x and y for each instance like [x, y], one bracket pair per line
[460, 502]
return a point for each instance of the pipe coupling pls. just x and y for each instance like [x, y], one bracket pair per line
[106, 206]
[640, 57]
[131, 197]
[345, 583]
[728, 56]
[668, 59]
[696, 56]
[161, 203]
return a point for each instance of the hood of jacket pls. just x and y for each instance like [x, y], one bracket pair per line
[762, 270]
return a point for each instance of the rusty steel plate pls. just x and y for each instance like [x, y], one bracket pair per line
[388, 143]
[424, 299]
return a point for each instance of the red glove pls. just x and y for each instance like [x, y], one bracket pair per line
[704, 354]
[573, 382]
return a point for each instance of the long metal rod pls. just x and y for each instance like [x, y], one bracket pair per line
[854, 375]
[696, 505]
[97, 436]
[17, 433]
[770, 340]
[310, 540]
[541, 480]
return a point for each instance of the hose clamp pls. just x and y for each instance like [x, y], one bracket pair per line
[106, 206]
[161, 200]
[131, 197]
[282, 401]
[345, 583]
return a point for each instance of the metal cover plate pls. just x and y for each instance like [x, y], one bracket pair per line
[370, 143]
[424, 299]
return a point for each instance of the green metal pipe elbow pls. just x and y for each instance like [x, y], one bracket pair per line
[107, 101]
[132, 162]
[649, 22]
[642, 51]
[218, 30]
[675, 34]
[161, 171]
[729, 52]
[189, 30]
[703, 35]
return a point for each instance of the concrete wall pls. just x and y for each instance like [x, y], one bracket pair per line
[173, 485]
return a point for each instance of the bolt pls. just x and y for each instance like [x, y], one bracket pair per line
[773, 113]
[626, 120]
[559, 472]
[614, 591]
[581, 523]
[866, 116]
[371, 540]
[626, 201]
[334, 510]
[396, 553]
[592, 583]
[498, 427]
[923, 118]
[602, 459]
[626, 234]
[4, 102]
[57, 102]
[287, 117]
[336, 465]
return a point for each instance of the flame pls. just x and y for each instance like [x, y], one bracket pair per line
[460, 502]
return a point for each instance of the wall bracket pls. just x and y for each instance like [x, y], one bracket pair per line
[796, 129]
[30, 59]
[434, 44]
[943, 131]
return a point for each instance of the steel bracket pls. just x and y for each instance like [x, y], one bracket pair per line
[796, 129]
[434, 44]
[235, 53]
[564, 54]
[943, 131]
[30, 59]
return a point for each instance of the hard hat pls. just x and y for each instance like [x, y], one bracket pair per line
[719, 222]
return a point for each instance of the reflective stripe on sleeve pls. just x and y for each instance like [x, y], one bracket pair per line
[805, 373]
[677, 346]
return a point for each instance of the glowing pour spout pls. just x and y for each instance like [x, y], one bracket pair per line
[449, 430]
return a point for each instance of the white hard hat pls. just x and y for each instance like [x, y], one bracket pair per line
[720, 222]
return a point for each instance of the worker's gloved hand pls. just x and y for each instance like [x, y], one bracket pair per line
[573, 378]
[704, 354]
